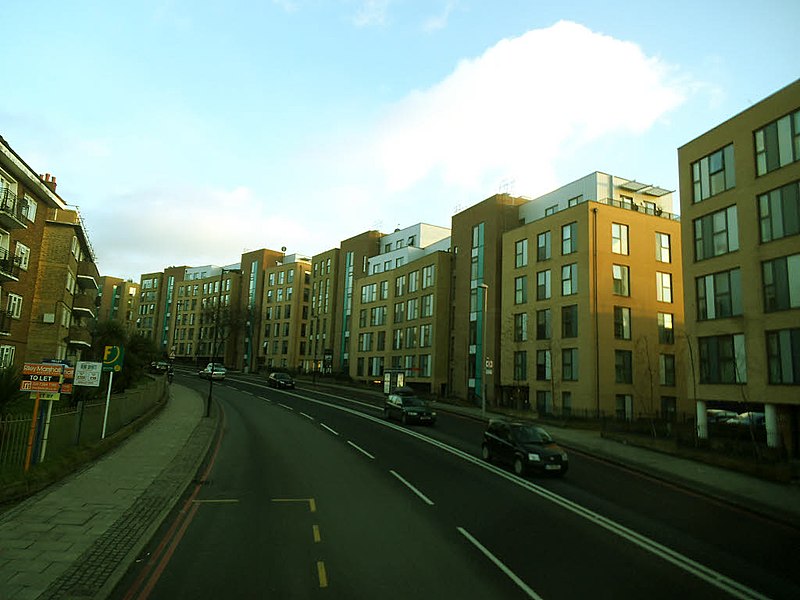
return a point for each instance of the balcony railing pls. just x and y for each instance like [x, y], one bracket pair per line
[88, 275]
[83, 305]
[9, 266]
[5, 322]
[11, 210]
[79, 336]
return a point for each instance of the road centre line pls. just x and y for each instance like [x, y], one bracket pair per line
[521, 584]
[710, 576]
[285, 406]
[422, 496]
[321, 574]
[329, 429]
[309, 417]
[315, 534]
[360, 449]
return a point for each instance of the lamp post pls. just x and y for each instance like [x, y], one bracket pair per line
[214, 346]
[484, 357]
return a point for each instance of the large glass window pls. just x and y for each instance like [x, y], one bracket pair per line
[521, 289]
[713, 174]
[621, 275]
[569, 321]
[569, 279]
[543, 285]
[778, 143]
[622, 322]
[619, 238]
[722, 359]
[569, 364]
[543, 324]
[521, 327]
[666, 332]
[779, 212]
[666, 369]
[543, 366]
[716, 233]
[521, 253]
[543, 246]
[663, 287]
[569, 238]
[427, 305]
[663, 248]
[781, 283]
[520, 365]
[427, 276]
[783, 356]
[623, 366]
[719, 295]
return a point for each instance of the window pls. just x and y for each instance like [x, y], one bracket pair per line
[622, 322]
[781, 283]
[543, 324]
[543, 365]
[663, 287]
[521, 289]
[400, 285]
[6, 356]
[624, 407]
[543, 246]
[778, 143]
[23, 254]
[569, 364]
[719, 295]
[477, 235]
[551, 210]
[779, 212]
[383, 290]
[666, 369]
[29, 206]
[623, 361]
[566, 404]
[425, 335]
[575, 200]
[412, 309]
[368, 293]
[427, 276]
[569, 238]
[521, 253]
[521, 327]
[427, 305]
[569, 321]
[619, 238]
[669, 407]
[520, 365]
[397, 339]
[543, 285]
[722, 359]
[783, 356]
[569, 279]
[663, 249]
[14, 305]
[716, 234]
[424, 365]
[413, 281]
[362, 317]
[271, 279]
[365, 342]
[411, 337]
[666, 333]
[621, 274]
[713, 174]
[399, 312]
[377, 316]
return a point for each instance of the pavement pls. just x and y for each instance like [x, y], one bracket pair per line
[77, 538]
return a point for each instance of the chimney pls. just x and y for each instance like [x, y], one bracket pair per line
[49, 181]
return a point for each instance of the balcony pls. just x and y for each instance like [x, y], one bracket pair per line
[83, 305]
[5, 323]
[79, 336]
[9, 266]
[11, 216]
[88, 275]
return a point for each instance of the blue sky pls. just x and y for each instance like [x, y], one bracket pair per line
[190, 131]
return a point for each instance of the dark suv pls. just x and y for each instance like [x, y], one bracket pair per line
[280, 380]
[523, 446]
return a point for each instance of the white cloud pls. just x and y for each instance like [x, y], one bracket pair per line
[371, 13]
[512, 112]
[437, 22]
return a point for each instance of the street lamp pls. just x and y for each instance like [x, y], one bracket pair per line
[484, 357]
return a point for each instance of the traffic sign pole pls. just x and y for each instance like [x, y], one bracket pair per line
[108, 400]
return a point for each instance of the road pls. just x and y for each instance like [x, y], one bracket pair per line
[312, 493]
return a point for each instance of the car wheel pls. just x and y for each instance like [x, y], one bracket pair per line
[486, 453]
[519, 466]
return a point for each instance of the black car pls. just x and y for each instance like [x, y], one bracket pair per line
[405, 406]
[524, 446]
[280, 380]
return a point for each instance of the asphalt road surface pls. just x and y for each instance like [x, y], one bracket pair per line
[311, 494]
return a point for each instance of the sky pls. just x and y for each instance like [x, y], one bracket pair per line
[190, 131]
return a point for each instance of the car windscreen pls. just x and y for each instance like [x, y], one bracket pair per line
[413, 401]
[528, 434]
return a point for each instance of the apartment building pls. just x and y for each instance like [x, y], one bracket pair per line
[118, 301]
[740, 201]
[254, 265]
[476, 292]
[401, 310]
[323, 310]
[156, 318]
[205, 305]
[47, 270]
[591, 302]
[285, 314]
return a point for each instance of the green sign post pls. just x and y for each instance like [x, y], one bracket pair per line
[113, 356]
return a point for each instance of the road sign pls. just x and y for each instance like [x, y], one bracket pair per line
[113, 356]
[42, 369]
[88, 373]
[39, 377]
[44, 396]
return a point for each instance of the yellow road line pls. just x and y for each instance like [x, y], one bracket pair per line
[315, 531]
[323, 576]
